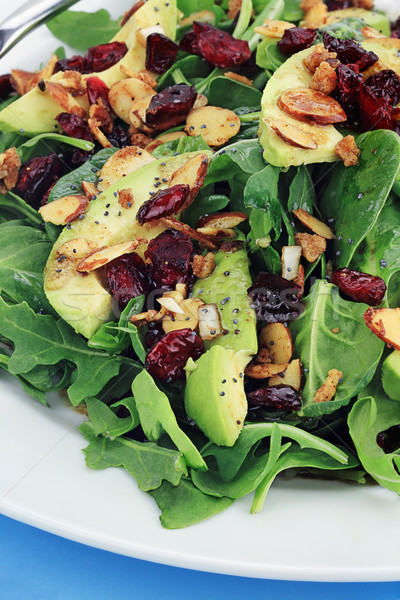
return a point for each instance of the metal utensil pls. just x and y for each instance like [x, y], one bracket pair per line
[30, 15]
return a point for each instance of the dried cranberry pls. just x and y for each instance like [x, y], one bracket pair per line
[169, 254]
[161, 53]
[35, 177]
[102, 57]
[166, 360]
[349, 52]
[5, 86]
[188, 43]
[127, 278]
[153, 334]
[219, 48]
[296, 39]
[170, 106]
[280, 396]
[339, 4]
[385, 84]
[347, 91]
[389, 440]
[376, 113]
[96, 88]
[119, 137]
[79, 157]
[74, 126]
[359, 286]
[163, 204]
[75, 63]
[275, 299]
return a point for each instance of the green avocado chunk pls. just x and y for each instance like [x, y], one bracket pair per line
[391, 375]
[372, 18]
[215, 396]
[79, 298]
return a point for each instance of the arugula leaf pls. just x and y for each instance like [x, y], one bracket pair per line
[106, 422]
[157, 417]
[321, 349]
[186, 505]
[148, 463]
[81, 30]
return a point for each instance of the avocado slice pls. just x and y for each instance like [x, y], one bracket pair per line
[388, 57]
[81, 299]
[292, 74]
[391, 375]
[214, 396]
[372, 18]
[35, 112]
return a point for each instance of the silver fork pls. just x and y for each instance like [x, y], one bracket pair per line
[27, 17]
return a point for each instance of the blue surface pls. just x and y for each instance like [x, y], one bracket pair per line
[35, 565]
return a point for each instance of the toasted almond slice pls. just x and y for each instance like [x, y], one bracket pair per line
[171, 305]
[64, 210]
[137, 112]
[300, 281]
[203, 266]
[264, 371]
[263, 356]
[201, 100]
[290, 262]
[90, 190]
[223, 220]
[217, 232]
[163, 139]
[239, 78]
[124, 93]
[328, 389]
[143, 34]
[24, 81]
[312, 246]
[206, 240]
[98, 134]
[10, 163]
[292, 376]
[276, 337]
[182, 289]
[273, 29]
[101, 257]
[193, 174]
[216, 125]
[385, 323]
[124, 161]
[76, 248]
[150, 316]
[210, 325]
[188, 319]
[371, 33]
[314, 224]
[65, 99]
[143, 75]
[309, 105]
[204, 16]
[295, 136]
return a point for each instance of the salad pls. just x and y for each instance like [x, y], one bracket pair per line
[200, 243]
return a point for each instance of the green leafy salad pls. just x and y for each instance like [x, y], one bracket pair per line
[200, 243]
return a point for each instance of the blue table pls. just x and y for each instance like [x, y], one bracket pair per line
[35, 565]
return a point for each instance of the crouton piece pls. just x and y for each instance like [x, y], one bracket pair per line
[319, 55]
[125, 198]
[203, 266]
[9, 167]
[324, 79]
[312, 246]
[348, 151]
[328, 389]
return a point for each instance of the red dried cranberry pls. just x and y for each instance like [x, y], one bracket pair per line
[153, 334]
[359, 286]
[161, 53]
[169, 254]
[5, 86]
[339, 4]
[280, 396]
[102, 57]
[349, 52]
[119, 137]
[163, 204]
[275, 299]
[296, 39]
[166, 360]
[385, 84]
[347, 91]
[96, 88]
[171, 106]
[389, 439]
[219, 48]
[79, 157]
[188, 43]
[75, 63]
[127, 278]
[376, 113]
[35, 177]
[74, 126]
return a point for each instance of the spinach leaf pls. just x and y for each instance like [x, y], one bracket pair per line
[372, 413]
[232, 94]
[17, 206]
[106, 422]
[242, 156]
[26, 149]
[261, 192]
[292, 11]
[331, 334]
[180, 146]
[71, 183]
[356, 195]
[189, 68]
[302, 191]
[23, 255]
[156, 417]
[148, 463]
[260, 241]
[81, 30]
[186, 505]
[269, 57]
[206, 203]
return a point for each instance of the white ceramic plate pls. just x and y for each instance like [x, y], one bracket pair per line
[317, 531]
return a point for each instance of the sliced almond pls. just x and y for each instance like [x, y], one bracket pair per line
[76, 248]
[24, 81]
[151, 316]
[124, 93]
[171, 305]
[224, 220]
[143, 75]
[65, 99]
[371, 33]
[204, 16]
[239, 78]
[328, 389]
[216, 125]
[137, 112]
[263, 356]
[217, 232]
[264, 371]
[64, 210]
[385, 323]
[291, 376]
[10, 163]
[276, 337]
[300, 281]
[143, 34]
[101, 257]
[314, 224]
[295, 136]
[309, 105]
[273, 29]
[206, 240]
[188, 318]
[124, 161]
[210, 325]
[290, 262]
[90, 189]
[201, 100]
[193, 174]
